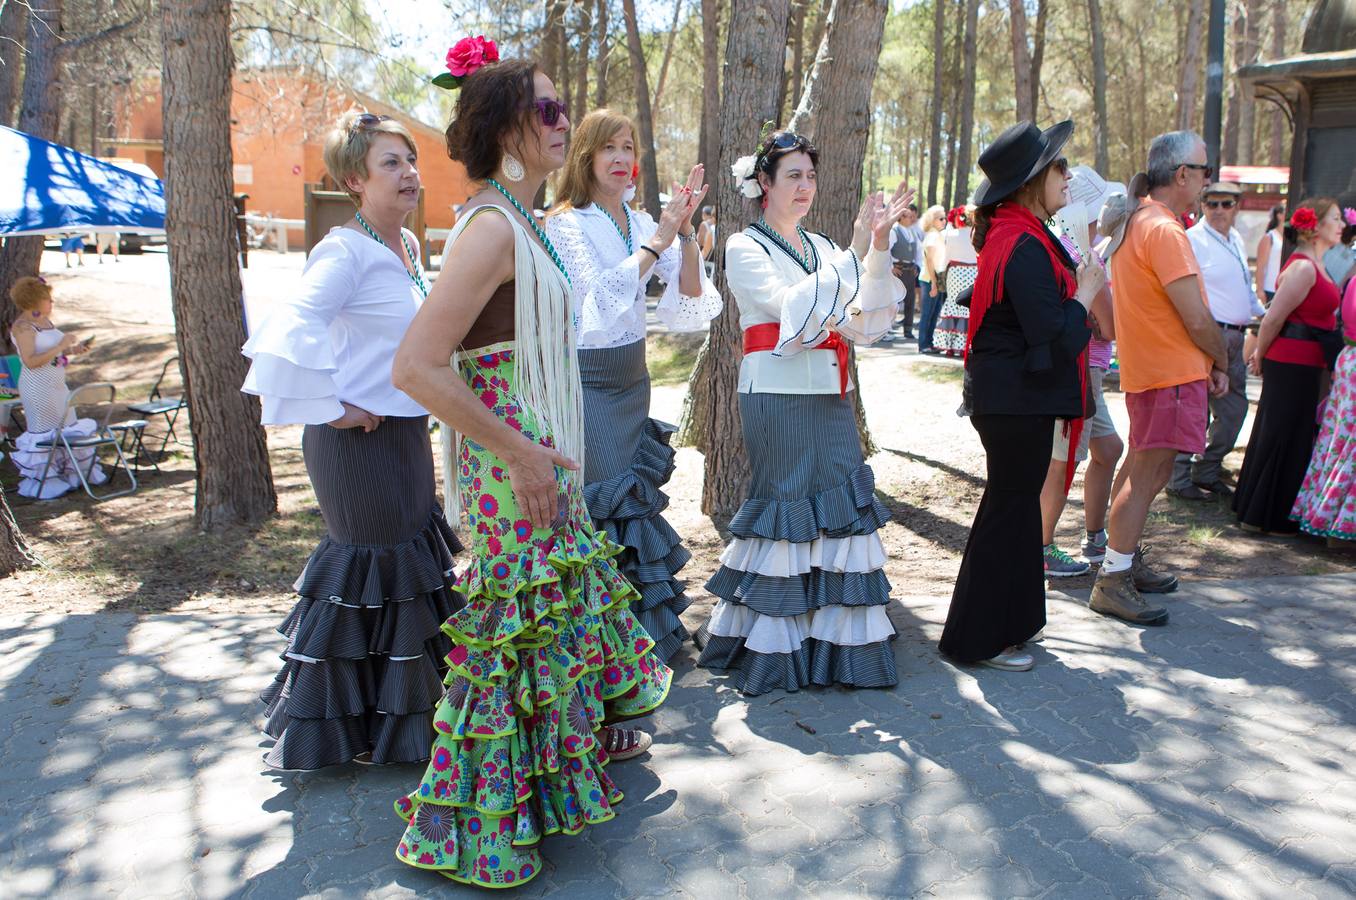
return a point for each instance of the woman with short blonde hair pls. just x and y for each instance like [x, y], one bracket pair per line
[610, 252]
[930, 289]
[376, 589]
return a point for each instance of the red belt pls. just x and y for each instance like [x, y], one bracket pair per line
[765, 337]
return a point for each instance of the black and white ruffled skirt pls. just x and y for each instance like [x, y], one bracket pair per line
[627, 460]
[802, 585]
[364, 664]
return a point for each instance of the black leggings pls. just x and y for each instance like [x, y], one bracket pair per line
[999, 599]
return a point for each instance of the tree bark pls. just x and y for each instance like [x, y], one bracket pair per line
[1228, 151]
[1102, 152]
[966, 123]
[953, 107]
[551, 46]
[234, 483]
[1247, 106]
[1038, 53]
[1279, 150]
[581, 76]
[797, 39]
[935, 138]
[802, 119]
[14, 552]
[644, 114]
[603, 46]
[709, 149]
[1189, 78]
[668, 55]
[13, 27]
[39, 116]
[1021, 61]
[749, 98]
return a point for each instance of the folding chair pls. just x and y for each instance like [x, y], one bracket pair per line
[102, 394]
[158, 405]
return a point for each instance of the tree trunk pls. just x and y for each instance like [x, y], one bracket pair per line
[966, 122]
[1189, 78]
[1280, 155]
[1021, 61]
[953, 108]
[649, 168]
[1247, 106]
[234, 483]
[668, 55]
[1038, 53]
[1099, 124]
[709, 149]
[603, 46]
[581, 75]
[797, 51]
[14, 552]
[838, 98]
[551, 45]
[40, 116]
[938, 65]
[13, 27]
[749, 98]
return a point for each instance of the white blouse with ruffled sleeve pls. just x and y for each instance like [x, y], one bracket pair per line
[853, 298]
[335, 339]
[609, 294]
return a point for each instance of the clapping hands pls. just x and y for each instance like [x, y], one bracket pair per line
[877, 216]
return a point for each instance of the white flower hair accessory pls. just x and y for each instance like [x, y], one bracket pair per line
[743, 172]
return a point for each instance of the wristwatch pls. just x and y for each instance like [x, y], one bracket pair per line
[686, 238]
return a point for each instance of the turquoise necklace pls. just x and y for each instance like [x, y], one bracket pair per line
[807, 258]
[417, 275]
[541, 235]
[624, 235]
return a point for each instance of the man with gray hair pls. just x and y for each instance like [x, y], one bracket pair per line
[1172, 359]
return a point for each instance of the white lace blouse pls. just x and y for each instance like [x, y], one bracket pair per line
[336, 337]
[845, 295]
[609, 294]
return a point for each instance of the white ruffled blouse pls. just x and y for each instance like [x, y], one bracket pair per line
[335, 339]
[609, 294]
[845, 295]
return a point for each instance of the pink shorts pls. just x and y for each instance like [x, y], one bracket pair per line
[1171, 417]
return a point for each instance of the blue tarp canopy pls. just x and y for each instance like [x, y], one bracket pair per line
[46, 188]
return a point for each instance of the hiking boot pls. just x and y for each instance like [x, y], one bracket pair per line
[1147, 581]
[1059, 564]
[1094, 546]
[1114, 594]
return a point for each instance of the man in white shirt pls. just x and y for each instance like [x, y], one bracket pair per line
[1229, 290]
[906, 252]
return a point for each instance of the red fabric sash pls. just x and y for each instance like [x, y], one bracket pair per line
[1009, 223]
[765, 337]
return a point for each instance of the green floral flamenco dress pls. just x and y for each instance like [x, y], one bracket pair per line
[546, 648]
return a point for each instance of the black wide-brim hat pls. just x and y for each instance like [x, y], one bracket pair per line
[1017, 155]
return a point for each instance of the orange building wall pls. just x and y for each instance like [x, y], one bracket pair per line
[279, 123]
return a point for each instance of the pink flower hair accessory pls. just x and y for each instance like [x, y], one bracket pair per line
[465, 57]
[1304, 219]
[1349, 215]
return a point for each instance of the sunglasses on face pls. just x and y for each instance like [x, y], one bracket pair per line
[1205, 170]
[550, 112]
[1061, 165]
[1220, 204]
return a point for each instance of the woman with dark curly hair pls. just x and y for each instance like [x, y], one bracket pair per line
[547, 647]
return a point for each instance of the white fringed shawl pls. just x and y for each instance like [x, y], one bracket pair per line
[546, 375]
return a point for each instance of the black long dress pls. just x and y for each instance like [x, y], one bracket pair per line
[1023, 375]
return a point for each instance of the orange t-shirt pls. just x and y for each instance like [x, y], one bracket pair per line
[1153, 345]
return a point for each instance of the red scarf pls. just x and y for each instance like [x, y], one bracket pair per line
[1009, 223]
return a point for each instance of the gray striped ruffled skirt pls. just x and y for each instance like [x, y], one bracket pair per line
[363, 667]
[627, 460]
[801, 587]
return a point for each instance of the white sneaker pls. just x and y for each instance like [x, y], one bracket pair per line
[1010, 660]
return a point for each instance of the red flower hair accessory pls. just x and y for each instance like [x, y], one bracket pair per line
[955, 217]
[464, 57]
[1304, 219]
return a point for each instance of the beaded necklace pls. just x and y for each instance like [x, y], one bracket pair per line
[624, 235]
[808, 259]
[417, 275]
[541, 235]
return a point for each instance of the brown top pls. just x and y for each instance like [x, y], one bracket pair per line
[495, 322]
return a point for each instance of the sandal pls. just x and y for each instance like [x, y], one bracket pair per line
[625, 743]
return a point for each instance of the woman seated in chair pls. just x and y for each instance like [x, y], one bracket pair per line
[45, 352]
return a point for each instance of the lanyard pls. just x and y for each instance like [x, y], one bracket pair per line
[1233, 251]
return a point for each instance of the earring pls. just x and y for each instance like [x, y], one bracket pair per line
[763, 202]
[513, 170]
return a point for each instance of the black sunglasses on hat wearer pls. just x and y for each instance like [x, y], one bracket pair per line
[1220, 204]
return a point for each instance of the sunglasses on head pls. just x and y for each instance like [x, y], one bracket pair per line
[1205, 170]
[1221, 204]
[551, 111]
[367, 120]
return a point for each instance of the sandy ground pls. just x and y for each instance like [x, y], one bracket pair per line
[142, 552]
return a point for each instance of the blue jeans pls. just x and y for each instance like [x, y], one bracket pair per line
[927, 317]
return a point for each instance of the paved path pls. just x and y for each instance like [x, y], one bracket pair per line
[1214, 757]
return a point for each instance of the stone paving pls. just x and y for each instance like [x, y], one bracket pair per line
[1214, 757]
